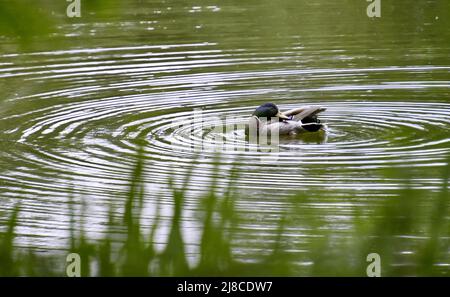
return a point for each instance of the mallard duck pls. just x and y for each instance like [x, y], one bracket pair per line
[267, 118]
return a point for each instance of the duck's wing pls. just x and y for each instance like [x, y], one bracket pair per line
[283, 128]
[305, 112]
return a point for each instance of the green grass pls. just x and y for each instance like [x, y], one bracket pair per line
[407, 213]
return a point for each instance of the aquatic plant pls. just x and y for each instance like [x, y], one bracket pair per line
[383, 231]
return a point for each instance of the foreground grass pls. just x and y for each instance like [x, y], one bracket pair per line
[410, 213]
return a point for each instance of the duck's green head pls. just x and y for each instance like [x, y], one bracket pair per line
[269, 110]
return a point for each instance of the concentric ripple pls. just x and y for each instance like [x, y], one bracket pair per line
[99, 138]
[78, 130]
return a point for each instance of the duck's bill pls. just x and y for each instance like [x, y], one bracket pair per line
[282, 116]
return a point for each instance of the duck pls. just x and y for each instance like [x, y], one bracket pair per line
[267, 118]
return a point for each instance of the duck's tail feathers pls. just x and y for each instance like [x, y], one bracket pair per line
[312, 127]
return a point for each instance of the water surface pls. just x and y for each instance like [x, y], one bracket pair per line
[73, 107]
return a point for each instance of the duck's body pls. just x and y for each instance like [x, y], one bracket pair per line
[268, 119]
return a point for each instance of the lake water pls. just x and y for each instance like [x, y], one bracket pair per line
[73, 105]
